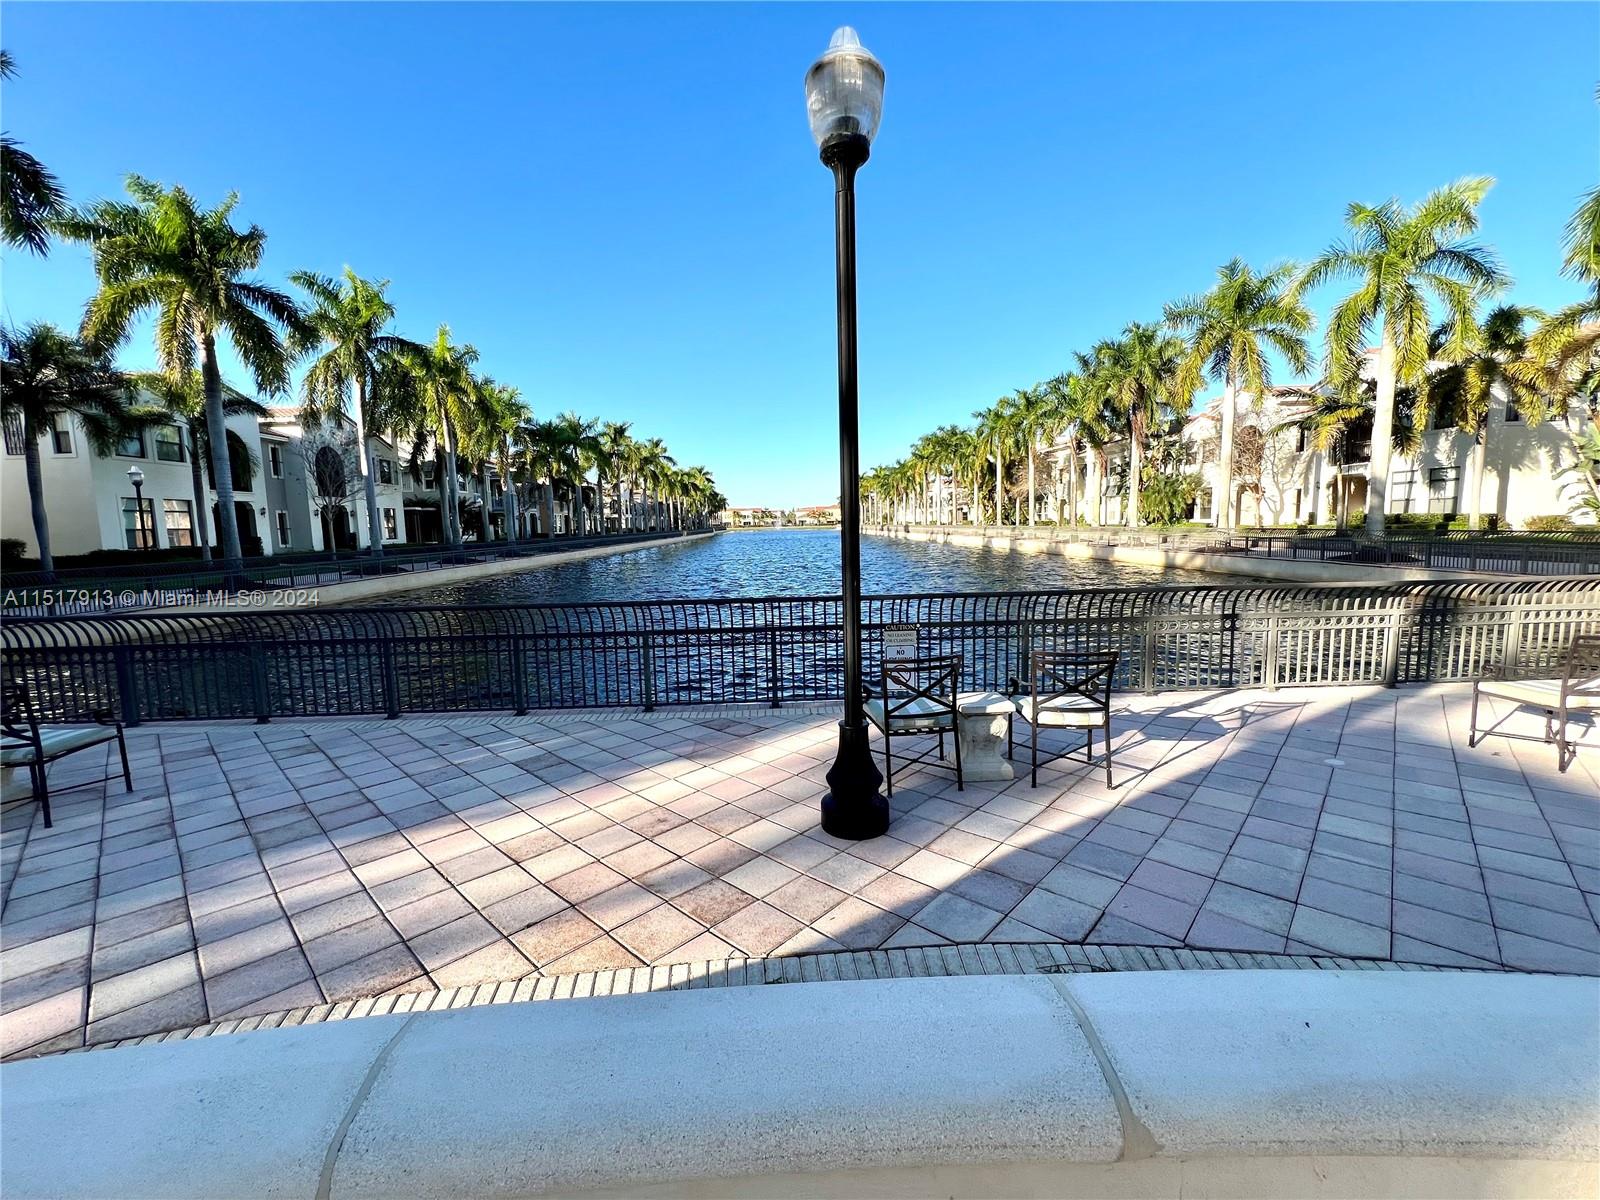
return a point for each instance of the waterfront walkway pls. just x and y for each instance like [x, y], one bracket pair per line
[257, 869]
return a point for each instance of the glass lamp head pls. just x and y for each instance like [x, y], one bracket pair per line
[135, 476]
[844, 91]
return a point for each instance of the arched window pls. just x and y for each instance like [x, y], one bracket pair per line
[239, 463]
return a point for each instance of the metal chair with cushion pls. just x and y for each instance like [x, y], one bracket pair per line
[917, 697]
[1066, 690]
[1577, 690]
[24, 742]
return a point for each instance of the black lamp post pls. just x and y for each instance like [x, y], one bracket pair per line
[844, 96]
[136, 477]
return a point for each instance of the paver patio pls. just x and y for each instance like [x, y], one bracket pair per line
[260, 868]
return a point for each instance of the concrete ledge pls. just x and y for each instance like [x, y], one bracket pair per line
[1279, 570]
[1269, 1083]
[357, 590]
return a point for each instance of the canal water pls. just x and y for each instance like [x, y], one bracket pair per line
[791, 562]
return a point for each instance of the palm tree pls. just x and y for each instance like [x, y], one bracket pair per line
[539, 448]
[348, 317]
[654, 465]
[1399, 257]
[30, 197]
[1040, 418]
[1143, 373]
[997, 428]
[441, 403]
[1479, 356]
[45, 376]
[578, 449]
[1229, 330]
[616, 452]
[184, 401]
[162, 252]
[1082, 409]
[493, 442]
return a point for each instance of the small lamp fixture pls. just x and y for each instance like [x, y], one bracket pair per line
[844, 94]
[136, 476]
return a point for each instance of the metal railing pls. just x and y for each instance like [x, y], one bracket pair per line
[392, 661]
[119, 586]
[1563, 553]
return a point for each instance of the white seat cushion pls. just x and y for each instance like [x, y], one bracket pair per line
[58, 740]
[917, 714]
[1542, 693]
[1069, 711]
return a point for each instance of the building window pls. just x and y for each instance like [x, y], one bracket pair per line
[385, 470]
[138, 529]
[1302, 435]
[1442, 489]
[132, 446]
[1513, 413]
[60, 435]
[1202, 505]
[283, 529]
[427, 476]
[275, 461]
[1295, 511]
[13, 431]
[1402, 485]
[180, 521]
[391, 528]
[169, 445]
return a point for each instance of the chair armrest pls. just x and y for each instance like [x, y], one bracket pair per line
[104, 716]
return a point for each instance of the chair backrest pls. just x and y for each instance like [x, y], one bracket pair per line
[1064, 674]
[16, 714]
[934, 681]
[1580, 675]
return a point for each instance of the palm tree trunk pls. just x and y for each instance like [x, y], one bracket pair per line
[369, 483]
[1072, 488]
[1480, 448]
[1130, 517]
[999, 498]
[452, 489]
[580, 518]
[616, 485]
[513, 517]
[1222, 502]
[547, 514]
[1096, 496]
[1033, 509]
[1382, 438]
[977, 509]
[221, 466]
[41, 522]
[202, 524]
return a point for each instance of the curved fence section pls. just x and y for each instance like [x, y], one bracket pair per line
[389, 661]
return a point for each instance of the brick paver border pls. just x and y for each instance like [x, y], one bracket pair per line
[1024, 958]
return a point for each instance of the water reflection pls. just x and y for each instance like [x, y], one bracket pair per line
[791, 562]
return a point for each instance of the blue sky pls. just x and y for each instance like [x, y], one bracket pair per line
[621, 207]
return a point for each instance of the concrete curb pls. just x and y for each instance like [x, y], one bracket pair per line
[1258, 1083]
[925, 962]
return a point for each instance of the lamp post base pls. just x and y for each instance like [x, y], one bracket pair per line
[853, 809]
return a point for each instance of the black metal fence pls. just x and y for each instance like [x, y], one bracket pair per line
[126, 586]
[391, 661]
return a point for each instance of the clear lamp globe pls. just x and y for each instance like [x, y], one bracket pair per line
[844, 89]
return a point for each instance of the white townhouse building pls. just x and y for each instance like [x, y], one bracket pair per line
[278, 503]
[1524, 470]
[90, 498]
[323, 504]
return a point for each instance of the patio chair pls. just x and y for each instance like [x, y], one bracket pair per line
[24, 742]
[1068, 690]
[917, 697]
[1577, 690]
